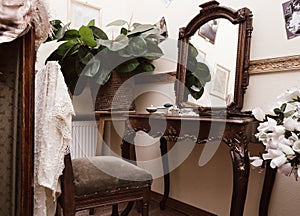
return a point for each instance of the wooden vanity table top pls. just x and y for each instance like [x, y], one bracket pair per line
[206, 118]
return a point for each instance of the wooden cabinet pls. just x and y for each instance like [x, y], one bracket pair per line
[17, 125]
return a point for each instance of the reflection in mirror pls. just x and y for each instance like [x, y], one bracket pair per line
[219, 38]
[218, 51]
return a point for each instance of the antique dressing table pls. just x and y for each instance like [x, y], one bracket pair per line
[234, 131]
[219, 116]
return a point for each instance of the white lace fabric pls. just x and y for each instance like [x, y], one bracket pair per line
[53, 120]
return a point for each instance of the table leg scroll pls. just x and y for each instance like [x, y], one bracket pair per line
[241, 169]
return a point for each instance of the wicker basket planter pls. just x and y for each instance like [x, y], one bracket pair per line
[116, 94]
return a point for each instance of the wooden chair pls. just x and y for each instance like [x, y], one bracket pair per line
[86, 186]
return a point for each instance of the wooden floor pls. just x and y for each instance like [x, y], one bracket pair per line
[154, 210]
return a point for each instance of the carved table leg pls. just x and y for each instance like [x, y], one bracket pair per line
[128, 152]
[165, 163]
[241, 168]
[127, 146]
[267, 190]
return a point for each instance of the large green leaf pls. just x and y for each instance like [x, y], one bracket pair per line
[153, 34]
[137, 46]
[86, 35]
[193, 52]
[189, 79]
[115, 45]
[202, 72]
[70, 34]
[191, 64]
[153, 51]
[85, 55]
[92, 68]
[64, 48]
[91, 23]
[118, 22]
[103, 76]
[196, 92]
[73, 50]
[128, 66]
[146, 67]
[124, 53]
[98, 33]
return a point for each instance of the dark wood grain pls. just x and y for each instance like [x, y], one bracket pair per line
[27, 131]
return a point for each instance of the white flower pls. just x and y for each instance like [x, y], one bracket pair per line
[277, 157]
[259, 114]
[289, 95]
[296, 146]
[280, 133]
[291, 124]
[256, 161]
[286, 149]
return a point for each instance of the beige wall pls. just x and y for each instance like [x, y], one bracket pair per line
[209, 187]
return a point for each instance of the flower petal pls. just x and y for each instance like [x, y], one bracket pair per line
[272, 153]
[278, 161]
[296, 146]
[257, 162]
[286, 149]
[258, 113]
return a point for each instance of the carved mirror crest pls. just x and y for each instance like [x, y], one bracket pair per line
[214, 47]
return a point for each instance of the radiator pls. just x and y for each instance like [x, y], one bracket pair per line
[84, 139]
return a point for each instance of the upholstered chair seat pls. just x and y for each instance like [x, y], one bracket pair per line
[105, 174]
[92, 182]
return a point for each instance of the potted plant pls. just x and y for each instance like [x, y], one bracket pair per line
[87, 53]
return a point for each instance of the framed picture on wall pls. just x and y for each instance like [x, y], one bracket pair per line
[80, 13]
[220, 82]
[209, 30]
[291, 11]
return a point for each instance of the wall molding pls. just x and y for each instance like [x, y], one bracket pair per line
[271, 65]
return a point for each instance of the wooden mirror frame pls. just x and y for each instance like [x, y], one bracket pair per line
[210, 11]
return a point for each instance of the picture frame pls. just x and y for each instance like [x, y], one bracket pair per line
[220, 80]
[209, 30]
[291, 17]
[80, 13]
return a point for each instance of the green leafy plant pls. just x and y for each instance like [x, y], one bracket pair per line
[197, 74]
[88, 52]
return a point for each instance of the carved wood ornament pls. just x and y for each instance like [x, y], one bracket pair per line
[271, 65]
